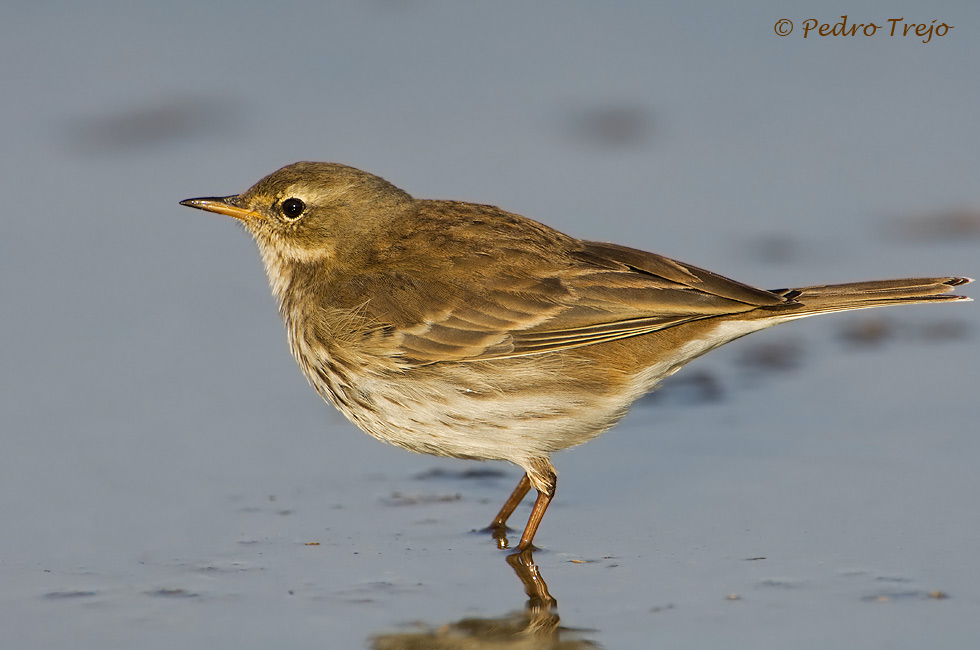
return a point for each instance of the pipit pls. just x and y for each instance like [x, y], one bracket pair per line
[462, 330]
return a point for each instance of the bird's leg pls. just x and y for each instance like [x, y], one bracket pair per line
[500, 521]
[540, 475]
[498, 529]
[537, 514]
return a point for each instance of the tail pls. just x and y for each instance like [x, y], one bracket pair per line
[862, 295]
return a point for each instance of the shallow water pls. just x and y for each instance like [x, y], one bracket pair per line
[167, 478]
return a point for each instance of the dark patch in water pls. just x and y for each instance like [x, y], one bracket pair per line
[399, 499]
[64, 595]
[472, 473]
[171, 593]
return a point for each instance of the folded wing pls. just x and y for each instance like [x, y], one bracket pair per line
[486, 306]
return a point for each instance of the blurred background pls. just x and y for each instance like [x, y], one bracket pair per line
[167, 476]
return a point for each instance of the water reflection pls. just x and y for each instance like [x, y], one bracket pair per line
[537, 626]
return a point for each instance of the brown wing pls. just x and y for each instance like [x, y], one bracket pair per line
[526, 289]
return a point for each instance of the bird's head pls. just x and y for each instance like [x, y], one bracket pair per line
[311, 212]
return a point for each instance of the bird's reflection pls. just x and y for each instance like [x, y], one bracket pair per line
[536, 627]
[539, 599]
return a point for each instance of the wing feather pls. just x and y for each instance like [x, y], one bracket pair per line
[505, 286]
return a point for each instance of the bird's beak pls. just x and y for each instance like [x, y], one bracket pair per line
[227, 205]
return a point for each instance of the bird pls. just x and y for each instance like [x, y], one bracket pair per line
[462, 330]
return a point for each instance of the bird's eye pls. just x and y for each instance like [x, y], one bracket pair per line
[293, 208]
